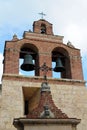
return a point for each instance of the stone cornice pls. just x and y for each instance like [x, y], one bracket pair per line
[40, 79]
[37, 36]
[72, 121]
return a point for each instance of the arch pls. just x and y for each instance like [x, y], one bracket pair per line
[43, 28]
[32, 50]
[62, 53]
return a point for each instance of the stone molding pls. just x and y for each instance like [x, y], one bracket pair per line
[40, 79]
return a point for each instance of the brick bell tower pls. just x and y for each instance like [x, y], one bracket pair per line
[40, 49]
[43, 46]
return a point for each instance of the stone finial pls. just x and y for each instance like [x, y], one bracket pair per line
[14, 37]
[47, 113]
[46, 110]
[30, 30]
[45, 87]
[70, 44]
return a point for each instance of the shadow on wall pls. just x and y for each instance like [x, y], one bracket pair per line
[1, 66]
[0, 88]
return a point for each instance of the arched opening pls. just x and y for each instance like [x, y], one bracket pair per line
[28, 60]
[43, 28]
[61, 63]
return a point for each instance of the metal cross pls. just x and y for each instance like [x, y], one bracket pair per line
[45, 69]
[42, 14]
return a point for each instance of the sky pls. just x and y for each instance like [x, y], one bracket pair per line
[69, 19]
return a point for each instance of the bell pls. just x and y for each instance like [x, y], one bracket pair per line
[28, 63]
[59, 66]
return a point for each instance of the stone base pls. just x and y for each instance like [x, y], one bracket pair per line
[45, 124]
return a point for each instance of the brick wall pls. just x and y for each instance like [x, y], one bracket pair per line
[44, 47]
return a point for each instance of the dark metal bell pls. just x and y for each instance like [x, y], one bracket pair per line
[59, 66]
[28, 63]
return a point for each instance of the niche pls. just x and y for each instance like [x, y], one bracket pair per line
[28, 60]
[61, 63]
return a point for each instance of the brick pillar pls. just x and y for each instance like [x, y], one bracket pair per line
[11, 62]
[47, 59]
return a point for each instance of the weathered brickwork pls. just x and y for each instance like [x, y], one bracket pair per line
[68, 92]
[43, 45]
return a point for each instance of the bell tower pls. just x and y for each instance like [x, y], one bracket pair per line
[43, 27]
[43, 53]
[42, 45]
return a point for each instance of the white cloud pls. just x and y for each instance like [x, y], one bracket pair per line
[1, 66]
[76, 34]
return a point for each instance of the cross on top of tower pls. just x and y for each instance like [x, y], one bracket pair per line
[42, 14]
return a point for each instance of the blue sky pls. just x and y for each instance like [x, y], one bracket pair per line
[68, 17]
